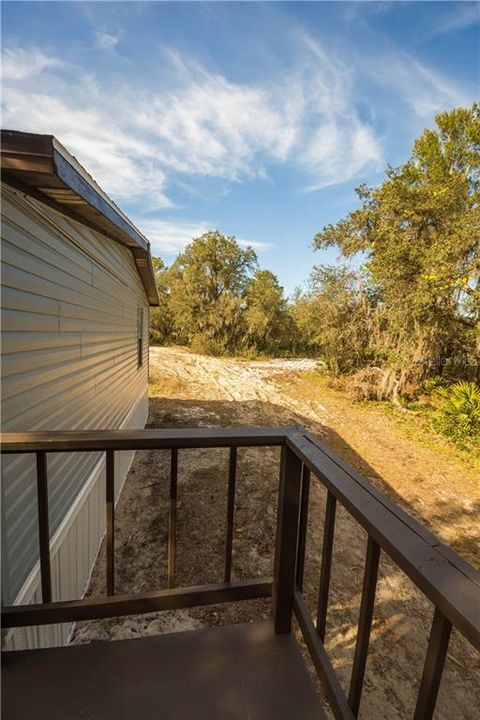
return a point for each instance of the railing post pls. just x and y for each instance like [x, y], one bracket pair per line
[43, 527]
[286, 541]
[433, 668]
[364, 624]
[325, 572]
[232, 473]
[302, 530]
[110, 510]
[172, 518]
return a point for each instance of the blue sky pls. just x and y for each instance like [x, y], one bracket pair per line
[258, 119]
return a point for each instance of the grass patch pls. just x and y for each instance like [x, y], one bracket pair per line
[419, 422]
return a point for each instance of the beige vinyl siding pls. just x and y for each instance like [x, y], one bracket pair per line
[70, 298]
[74, 547]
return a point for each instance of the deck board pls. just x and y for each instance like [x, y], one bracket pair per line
[236, 672]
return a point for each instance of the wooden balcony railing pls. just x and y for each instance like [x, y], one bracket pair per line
[443, 577]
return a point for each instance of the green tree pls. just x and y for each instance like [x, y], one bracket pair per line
[161, 319]
[207, 284]
[337, 317]
[267, 322]
[420, 233]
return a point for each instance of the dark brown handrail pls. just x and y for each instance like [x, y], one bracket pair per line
[448, 581]
[102, 440]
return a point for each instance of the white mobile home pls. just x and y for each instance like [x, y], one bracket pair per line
[77, 283]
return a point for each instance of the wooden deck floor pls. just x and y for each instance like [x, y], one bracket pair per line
[241, 672]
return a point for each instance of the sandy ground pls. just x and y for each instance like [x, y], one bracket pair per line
[425, 476]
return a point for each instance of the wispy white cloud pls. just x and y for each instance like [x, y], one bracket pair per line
[234, 131]
[79, 113]
[427, 92]
[202, 125]
[199, 124]
[217, 128]
[357, 11]
[336, 144]
[171, 236]
[19, 64]
[463, 15]
[255, 244]
[106, 41]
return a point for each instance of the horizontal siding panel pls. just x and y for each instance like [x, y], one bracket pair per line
[38, 250]
[72, 324]
[120, 281]
[29, 321]
[59, 465]
[83, 239]
[92, 390]
[83, 387]
[27, 301]
[115, 314]
[24, 296]
[115, 346]
[18, 342]
[42, 272]
[24, 360]
[65, 465]
[43, 280]
[16, 257]
[43, 417]
[48, 391]
[38, 416]
[15, 343]
[62, 374]
[69, 321]
[15, 363]
[32, 226]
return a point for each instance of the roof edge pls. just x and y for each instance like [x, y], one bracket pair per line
[40, 166]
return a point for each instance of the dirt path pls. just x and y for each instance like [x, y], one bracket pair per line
[395, 453]
[200, 377]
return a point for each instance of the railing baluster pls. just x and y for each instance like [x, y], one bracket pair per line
[433, 668]
[286, 540]
[326, 674]
[110, 510]
[43, 527]
[364, 624]
[232, 473]
[302, 530]
[172, 518]
[327, 549]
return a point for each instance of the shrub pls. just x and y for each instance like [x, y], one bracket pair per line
[156, 337]
[207, 346]
[459, 410]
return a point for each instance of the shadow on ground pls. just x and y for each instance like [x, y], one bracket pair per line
[402, 615]
[193, 413]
